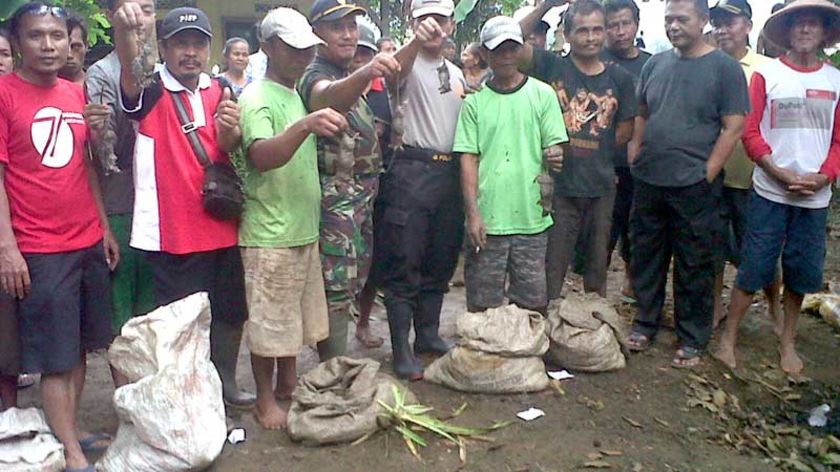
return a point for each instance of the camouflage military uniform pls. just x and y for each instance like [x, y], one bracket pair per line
[346, 241]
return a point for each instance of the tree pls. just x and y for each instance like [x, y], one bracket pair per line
[88, 9]
[391, 17]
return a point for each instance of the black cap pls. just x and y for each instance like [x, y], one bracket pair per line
[333, 10]
[732, 7]
[180, 19]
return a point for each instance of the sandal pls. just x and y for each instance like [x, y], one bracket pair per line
[687, 357]
[369, 340]
[638, 342]
[25, 381]
[89, 446]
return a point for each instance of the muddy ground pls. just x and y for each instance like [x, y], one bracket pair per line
[640, 412]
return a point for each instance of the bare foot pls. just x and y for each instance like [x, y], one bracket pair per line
[726, 355]
[367, 338]
[790, 361]
[719, 316]
[269, 414]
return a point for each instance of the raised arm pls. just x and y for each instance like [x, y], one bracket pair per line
[271, 153]
[127, 23]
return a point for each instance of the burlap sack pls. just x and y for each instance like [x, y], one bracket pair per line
[337, 401]
[474, 371]
[499, 351]
[507, 331]
[585, 334]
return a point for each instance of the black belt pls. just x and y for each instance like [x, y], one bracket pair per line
[423, 155]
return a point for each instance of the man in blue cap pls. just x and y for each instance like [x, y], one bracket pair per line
[732, 23]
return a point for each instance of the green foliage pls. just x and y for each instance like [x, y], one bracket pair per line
[90, 10]
[466, 32]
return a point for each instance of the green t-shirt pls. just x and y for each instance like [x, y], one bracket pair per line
[508, 130]
[282, 206]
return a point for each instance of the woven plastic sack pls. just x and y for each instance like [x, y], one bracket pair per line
[171, 415]
[27, 444]
[338, 401]
[585, 334]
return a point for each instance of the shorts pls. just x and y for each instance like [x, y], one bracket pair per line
[517, 259]
[132, 287]
[217, 272]
[9, 342]
[798, 234]
[286, 301]
[67, 312]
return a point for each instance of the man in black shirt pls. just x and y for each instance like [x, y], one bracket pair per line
[622, 28]
[693, 102]
[599, 106]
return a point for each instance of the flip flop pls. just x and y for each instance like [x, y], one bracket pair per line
[638, 342]
[684, 355]
[25, 381]
[89, 446]
[86, 469]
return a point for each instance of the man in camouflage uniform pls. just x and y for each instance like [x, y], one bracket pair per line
[349, 166]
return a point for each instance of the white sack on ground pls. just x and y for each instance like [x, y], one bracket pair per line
[27, 444]
[172, 417]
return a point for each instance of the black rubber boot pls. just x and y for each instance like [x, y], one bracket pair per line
[224, 352]
[427, 323]
[406, 366]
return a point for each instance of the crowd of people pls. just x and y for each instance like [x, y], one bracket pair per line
[368, 167]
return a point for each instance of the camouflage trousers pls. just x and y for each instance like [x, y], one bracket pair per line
[516, 260]
[346, 247]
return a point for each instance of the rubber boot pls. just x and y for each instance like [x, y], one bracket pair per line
[427, 324]
[224, 352]
[336, 344]
[406, 366]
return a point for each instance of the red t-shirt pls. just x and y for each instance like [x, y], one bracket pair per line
[42, 146]
[168, 212]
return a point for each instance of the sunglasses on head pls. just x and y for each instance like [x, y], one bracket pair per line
[41, 9]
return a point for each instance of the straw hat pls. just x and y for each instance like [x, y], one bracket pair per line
[776, 28]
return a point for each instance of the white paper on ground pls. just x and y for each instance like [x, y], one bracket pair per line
[560, 375]
[530, 414]
[236, 436]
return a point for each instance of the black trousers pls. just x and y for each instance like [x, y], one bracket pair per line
[620, 232]
[420, 227]
[683, 222]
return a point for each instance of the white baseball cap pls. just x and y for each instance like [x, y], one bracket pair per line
[432, 7]
[290, 26]
[498, 30]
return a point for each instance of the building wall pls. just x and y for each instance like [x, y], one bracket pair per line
[233, 17]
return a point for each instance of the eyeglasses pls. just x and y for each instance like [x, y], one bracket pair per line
[40, 9]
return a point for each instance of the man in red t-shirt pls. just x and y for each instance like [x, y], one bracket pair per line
[52, 222]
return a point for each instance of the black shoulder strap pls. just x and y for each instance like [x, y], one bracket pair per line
[189, 128]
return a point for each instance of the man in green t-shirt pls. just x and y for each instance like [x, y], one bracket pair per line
[279, 231]
[508, 135]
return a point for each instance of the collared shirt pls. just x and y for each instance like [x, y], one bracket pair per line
[738, 169]
[168, 178]
[257, 65]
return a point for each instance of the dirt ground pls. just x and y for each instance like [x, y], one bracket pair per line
[640, 412]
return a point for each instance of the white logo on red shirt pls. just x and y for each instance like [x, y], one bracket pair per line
[53, 137]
